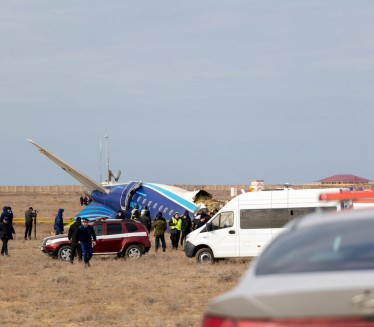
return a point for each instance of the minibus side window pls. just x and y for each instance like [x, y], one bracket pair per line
[255, 218]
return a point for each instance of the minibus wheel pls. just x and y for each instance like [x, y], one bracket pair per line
[204, 255]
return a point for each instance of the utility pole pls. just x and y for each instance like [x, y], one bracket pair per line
[101, 168]
[107, 157]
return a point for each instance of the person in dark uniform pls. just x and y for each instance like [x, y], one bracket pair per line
[86, 238]
[120, 215]
[6, 233]
[186, 226]
[72, 236]
[30, 215]
[145, 219]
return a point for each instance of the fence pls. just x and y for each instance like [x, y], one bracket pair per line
[49, 220]
[48, 189]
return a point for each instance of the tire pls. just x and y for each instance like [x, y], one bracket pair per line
[204, 255]
[64, 253]
[133, 252]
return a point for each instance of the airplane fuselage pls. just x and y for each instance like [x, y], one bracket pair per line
[157, 197]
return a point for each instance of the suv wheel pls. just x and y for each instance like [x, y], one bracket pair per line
[64, 253]
[204, 255]
[133, 252]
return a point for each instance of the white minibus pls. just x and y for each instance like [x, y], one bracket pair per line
[246, 224]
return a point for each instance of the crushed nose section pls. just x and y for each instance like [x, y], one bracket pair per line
[202, 195]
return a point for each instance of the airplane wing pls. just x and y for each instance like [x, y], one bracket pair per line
[83, 179]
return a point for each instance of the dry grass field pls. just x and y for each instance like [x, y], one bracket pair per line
[163, 289]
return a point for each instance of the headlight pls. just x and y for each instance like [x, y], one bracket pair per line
[49, 242]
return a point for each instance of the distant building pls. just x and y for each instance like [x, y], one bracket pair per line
[344, 179]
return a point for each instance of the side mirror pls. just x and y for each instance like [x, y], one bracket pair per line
[209, 227]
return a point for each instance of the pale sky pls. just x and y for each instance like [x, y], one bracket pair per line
[194, 92]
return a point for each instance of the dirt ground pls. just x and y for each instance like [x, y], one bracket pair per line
[163, 289]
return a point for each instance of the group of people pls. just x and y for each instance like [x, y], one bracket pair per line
[82, 238]
[7, 231]
[81, 235]
[84, 200]
[180, 227]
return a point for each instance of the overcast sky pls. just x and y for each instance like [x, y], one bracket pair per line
[195, 92]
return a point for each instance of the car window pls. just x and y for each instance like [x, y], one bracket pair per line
[223, 220]
[131, 228]
[98, 229]
[114, 229]
[328, 247]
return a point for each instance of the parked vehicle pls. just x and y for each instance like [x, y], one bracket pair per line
[318, 272]
[121, 237]
[251, 220]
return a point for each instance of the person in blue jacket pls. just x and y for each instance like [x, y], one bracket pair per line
[3, 214]
[59, 222]
[7, 212]
[6, 233]
[86, 237]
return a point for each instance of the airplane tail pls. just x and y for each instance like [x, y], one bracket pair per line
[90, 184]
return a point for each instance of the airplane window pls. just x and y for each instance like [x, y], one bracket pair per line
[160, 209]
[149, 203]
[144, 201]
[155, 205]
[166, 209]
[171, 212]
[138, 199]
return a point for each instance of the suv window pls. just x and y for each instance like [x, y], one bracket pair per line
[98, 229]
[131, 228]
[114, 229]
[328, 247]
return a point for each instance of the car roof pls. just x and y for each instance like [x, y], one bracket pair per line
[115, 221]
[331, 217]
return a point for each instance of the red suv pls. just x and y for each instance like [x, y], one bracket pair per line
[121, 237]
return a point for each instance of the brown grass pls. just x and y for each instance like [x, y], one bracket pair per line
[163, 289]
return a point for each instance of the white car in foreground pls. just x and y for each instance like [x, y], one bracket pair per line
[318, 272]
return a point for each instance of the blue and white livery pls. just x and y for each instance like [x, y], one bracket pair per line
[108, 199]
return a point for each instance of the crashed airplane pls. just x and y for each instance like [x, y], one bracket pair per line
[108, 199]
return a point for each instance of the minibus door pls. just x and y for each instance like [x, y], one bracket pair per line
[222, 235]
